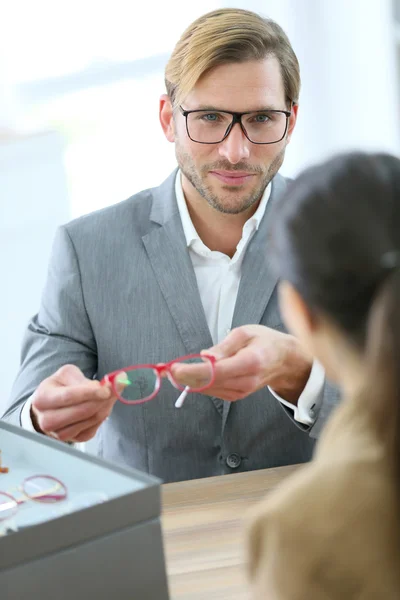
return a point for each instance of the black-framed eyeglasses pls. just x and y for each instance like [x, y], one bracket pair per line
[214, 126]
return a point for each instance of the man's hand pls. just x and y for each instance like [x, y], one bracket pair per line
[252, 357]
[69, 406]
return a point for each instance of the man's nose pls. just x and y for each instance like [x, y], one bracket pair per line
[236, 146]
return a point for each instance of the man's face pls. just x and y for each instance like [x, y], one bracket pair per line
[233, 174]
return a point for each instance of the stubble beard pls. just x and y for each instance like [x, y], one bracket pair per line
[234, 202]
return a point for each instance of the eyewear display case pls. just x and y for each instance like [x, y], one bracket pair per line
[74, 526]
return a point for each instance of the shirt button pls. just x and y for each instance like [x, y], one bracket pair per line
[233, 461]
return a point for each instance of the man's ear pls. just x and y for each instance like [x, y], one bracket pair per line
[292, 121]
[167, 117]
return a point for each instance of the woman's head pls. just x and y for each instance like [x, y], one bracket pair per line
[332, 235]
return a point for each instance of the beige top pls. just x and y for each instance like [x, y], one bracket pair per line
[331, 530]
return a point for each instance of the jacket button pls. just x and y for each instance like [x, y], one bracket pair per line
[233, 461]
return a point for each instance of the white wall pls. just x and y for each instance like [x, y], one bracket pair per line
[33, 201]
[347, 54]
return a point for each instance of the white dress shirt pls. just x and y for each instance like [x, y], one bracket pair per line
[218, 278]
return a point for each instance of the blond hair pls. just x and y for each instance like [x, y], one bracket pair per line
[225, 36]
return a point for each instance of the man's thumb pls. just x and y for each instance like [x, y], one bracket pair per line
[70, 375]
[235, 340]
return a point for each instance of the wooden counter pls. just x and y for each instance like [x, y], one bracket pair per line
[203, 532]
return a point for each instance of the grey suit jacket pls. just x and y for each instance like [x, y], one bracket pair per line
[121, 290]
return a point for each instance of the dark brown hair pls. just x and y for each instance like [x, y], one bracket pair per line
[337, 240]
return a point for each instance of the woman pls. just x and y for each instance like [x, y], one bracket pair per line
[332, 531]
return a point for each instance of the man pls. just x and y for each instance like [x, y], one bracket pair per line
[173, 269]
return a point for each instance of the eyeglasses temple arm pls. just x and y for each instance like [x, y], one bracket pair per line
[182, 397]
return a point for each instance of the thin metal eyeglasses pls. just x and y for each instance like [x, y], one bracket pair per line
[39, 488]
[213, 126]
[140, 383]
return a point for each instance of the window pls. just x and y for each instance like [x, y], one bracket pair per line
[95, 73]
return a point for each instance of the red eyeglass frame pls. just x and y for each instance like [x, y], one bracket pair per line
[160, 368]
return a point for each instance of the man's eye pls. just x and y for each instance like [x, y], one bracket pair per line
[210, 117]
[261, 118]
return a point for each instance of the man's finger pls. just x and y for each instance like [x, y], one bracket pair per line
[69, 375]
[234, 341]
[248, 361]
[231, 395]
[86, 435]
[195, 375]
[73, 432]
[57, 419]
[50, 396]
[241, 386]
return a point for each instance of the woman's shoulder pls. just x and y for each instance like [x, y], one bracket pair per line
[331, 523]
[335, 492]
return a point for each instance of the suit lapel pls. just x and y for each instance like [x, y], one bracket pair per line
[170, 260]
[169, 257]
[258, 279]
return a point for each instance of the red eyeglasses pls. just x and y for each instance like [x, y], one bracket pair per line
[141, 383]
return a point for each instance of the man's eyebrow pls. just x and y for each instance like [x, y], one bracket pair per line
[208, 107]
[216, 109]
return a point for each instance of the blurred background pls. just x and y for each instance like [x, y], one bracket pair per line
[79, 90]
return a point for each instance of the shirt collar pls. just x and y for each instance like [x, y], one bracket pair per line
[189, 230]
